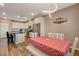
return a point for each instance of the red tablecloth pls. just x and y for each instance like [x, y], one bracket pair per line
[51, 46]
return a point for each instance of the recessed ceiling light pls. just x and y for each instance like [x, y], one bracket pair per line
[32, 14]
[5, 17]
[3, 13]
[18, 16]
[1, 4]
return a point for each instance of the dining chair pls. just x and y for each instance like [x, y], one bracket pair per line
[33, 34]
[50, 35]
[8, 37]
[73, 47]
[12, 38]
[60, 36]
[56, 35]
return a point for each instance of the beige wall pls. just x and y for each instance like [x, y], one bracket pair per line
[70, 28]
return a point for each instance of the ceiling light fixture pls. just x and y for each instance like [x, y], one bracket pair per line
[1, 4]
[60, 20]
[32, 14]
[52, 9]
[18, 16]
[3, 13]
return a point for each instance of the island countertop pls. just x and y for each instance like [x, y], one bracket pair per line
[2, 37]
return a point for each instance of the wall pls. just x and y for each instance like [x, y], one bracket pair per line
[70, 28]
[41, 20]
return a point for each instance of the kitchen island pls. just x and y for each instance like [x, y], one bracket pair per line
[19, 37]
[2, 37]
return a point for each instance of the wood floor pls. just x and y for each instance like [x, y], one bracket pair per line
[13, 50]
[76, 52]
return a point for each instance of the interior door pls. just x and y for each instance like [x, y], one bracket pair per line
[36, 28]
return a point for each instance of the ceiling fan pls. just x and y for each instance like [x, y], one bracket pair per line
[52, 8]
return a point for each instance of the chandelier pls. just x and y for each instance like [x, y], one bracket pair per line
[52, 9]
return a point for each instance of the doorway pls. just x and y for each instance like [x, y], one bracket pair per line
[36, 28]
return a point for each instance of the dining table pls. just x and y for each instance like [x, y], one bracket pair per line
[51, 46]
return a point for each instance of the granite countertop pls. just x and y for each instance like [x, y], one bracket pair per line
[17, 32]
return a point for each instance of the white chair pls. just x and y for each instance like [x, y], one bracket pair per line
[56, 35]
[73, 47]
[49, 34]
[60, 36]
[33, 34]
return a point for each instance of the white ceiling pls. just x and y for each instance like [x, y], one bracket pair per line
[13, 10]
